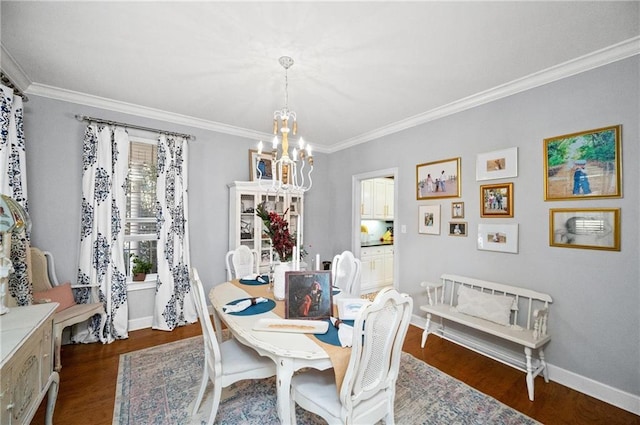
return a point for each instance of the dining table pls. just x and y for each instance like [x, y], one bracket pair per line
[291, 351]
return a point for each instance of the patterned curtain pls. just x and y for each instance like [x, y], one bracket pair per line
[173, 304]
[104, 175]
[13, 182]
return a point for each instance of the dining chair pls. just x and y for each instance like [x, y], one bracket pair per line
[345, 273]
[242, 262]
[227, 362]
[47, 288]
[368, 391]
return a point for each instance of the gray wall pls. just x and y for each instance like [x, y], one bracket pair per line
[595, 320]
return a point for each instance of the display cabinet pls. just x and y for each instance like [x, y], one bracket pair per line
[246, 228]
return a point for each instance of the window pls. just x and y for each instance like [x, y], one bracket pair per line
[140, 224]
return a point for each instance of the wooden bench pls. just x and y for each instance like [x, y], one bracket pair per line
[513, 314]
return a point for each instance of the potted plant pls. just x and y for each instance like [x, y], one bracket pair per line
[140, 268]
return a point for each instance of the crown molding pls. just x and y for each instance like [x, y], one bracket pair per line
[12, 70]
[613, 53]
[607, 55]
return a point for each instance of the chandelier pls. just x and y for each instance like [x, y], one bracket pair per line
[288, 172]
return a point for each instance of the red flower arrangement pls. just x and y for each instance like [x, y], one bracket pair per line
[277, 228]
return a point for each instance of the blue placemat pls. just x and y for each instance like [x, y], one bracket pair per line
[255, 281]
[331, 336]
[254, 309]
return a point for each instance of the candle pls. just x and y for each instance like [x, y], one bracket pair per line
[317, 261]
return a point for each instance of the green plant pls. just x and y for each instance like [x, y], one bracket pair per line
[140, 265]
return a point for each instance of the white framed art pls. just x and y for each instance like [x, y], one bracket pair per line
[498, 237]
[497, 164]
[429, 219]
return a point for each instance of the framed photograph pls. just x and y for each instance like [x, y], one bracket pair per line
[587, 228]
[457, 228]
[308, 295]
[500, 164]
[496, 200]
[429, 219]
[260, 161]
[498, 237]
[439, 179]
[457, 210]
[583, 165]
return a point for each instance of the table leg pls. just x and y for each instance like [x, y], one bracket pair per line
[284, 374]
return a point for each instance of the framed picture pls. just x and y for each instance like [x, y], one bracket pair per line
[498, 237]
[457, 228]
[587, 228]
[439, 179]
[457, 210]
[429, 219]
[497, 164]
[583, 165]
[496, 200]
[260, 161]
[308, 295]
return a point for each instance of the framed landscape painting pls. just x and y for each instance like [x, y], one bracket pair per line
[438, 179]
[583, 165]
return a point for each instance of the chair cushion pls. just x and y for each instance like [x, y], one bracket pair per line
[61, 294]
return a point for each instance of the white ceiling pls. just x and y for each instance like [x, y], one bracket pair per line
[362, 69]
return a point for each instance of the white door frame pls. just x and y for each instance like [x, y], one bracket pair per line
[356, 190]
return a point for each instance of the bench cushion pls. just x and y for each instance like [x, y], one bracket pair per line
[495, 308]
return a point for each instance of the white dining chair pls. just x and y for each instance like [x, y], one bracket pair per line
[227, 362]
[368, 391]
[345, 273]
[242, 262]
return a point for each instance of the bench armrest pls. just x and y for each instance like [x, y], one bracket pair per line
[540, 322]
[432, 288]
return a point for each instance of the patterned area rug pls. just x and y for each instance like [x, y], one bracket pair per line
[158, 386]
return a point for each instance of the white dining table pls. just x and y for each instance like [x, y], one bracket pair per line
[290, 351]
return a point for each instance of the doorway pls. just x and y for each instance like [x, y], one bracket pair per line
[373, 233]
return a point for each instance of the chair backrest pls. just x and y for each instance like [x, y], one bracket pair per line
[241, 262]
[345, 273]
[212, 358]
[378, 335]
[39, 270]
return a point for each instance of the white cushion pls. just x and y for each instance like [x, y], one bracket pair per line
[495, 308]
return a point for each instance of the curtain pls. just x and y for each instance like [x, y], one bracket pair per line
[173, 302]
[13, 182]
[104, 175]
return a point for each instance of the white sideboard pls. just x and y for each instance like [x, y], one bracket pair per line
[26, 370]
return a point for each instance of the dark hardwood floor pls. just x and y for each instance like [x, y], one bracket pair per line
[88, 381]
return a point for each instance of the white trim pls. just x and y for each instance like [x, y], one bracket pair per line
[140, 323]
[607, 55]
[610, 54]
[616, 397]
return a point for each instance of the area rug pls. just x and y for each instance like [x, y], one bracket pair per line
[159, 385]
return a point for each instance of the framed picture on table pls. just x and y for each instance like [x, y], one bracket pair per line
[308, 295]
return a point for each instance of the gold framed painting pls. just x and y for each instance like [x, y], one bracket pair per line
[582, 165]
[496, 200]
[457, 210]
[586, 228]
[260, 165]
[438, 179]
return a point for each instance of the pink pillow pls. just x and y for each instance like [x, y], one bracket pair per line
[61, 294]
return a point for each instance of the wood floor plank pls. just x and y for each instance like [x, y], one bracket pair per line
[89, 373]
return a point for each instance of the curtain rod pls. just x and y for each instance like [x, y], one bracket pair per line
[7, 82]
[138, 127]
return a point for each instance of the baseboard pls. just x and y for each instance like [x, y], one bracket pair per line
[603, 392]
[140, 323]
